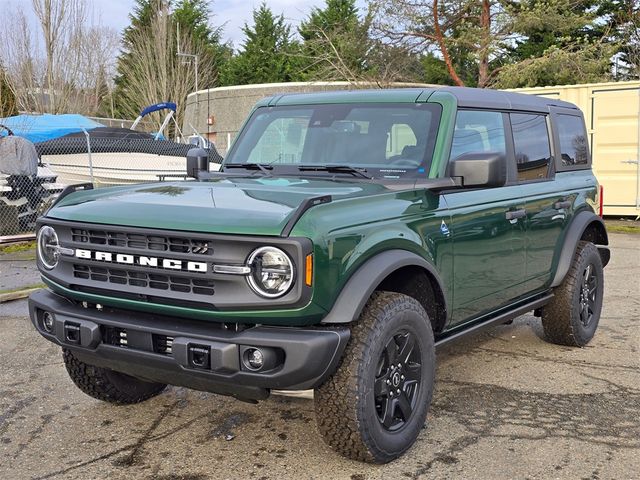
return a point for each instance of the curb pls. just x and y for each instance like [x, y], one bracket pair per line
[17, 295]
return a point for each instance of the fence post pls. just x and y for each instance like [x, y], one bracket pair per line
[86, 134]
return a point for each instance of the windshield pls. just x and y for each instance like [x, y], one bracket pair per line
[384, 140]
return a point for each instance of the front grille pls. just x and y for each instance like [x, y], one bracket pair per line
[156, 243]
[157, 281]
[165, 267]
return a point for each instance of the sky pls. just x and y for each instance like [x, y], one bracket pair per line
[232, 13]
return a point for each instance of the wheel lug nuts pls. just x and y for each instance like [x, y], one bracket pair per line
[401, 377]
[399, 365]
[398, 391]
[388, 382]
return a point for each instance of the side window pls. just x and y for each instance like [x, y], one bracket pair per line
[531, 143]
[478, 132]
[574, 149]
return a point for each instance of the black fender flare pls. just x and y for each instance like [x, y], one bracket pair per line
[574, 233]
[363, 282]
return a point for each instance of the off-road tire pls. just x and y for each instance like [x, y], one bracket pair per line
[345, 404]
[561, 317]
[108, 385]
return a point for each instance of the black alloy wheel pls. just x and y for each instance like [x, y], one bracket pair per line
[588, 295]
[397, 382]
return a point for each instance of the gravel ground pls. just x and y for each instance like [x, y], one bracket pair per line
[507, 405]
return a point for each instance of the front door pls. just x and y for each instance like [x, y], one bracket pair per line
[487, 226]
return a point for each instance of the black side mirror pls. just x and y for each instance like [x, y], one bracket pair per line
[197, 161]
[485, 169]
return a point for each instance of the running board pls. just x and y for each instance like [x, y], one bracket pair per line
[502, 318]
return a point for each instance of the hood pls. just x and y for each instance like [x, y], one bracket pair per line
[247, 206]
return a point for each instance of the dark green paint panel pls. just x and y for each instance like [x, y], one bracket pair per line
[349, 232]
[260, 206]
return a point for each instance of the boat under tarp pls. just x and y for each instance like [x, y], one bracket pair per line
[80, 150]
[117, 156]
[40, 128]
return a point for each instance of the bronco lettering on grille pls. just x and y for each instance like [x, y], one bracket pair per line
[141, 260]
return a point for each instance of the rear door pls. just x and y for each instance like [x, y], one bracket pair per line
[547, 208]
[488, 247]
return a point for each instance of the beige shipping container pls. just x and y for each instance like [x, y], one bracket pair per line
[612, 114]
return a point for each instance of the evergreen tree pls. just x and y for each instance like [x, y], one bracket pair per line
[619, 23]
[194, 15]
[8, 105]
[335, 36]
[188, 19]
[556, 41]
[144, 12]
[103, 95]
[268, 53]
[561, 42]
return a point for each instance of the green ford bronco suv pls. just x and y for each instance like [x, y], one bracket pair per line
[346, 236]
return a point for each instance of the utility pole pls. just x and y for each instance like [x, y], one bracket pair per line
[195, 61]
[187, 55]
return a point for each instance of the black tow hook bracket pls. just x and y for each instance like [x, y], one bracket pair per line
[72, 333]
[199, 356]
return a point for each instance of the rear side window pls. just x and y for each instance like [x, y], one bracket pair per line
[478, 132]
[574, 149]
[531, 144]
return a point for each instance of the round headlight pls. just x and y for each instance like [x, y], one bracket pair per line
[48, 247]
[271, 272]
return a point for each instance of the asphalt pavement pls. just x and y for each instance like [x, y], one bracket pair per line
[507, 405]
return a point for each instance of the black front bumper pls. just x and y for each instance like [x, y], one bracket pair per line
[304, 357]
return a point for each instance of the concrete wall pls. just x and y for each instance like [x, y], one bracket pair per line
[218, 113]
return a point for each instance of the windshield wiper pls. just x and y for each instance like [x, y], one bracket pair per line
[263, 167]
[356, 172]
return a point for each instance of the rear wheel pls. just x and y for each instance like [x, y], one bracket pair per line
[572, 317]
[373, 408]
[108, 385]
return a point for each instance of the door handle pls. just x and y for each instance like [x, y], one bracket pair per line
[515, 214]
[562, 204]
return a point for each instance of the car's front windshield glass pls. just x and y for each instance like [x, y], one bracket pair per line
[383, 140]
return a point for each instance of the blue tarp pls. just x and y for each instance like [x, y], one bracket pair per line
[39, 128]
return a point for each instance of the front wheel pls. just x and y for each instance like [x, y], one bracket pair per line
[572, 317]
[373, 408]
[108, 385]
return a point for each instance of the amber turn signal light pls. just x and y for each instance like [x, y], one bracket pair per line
[308, 270]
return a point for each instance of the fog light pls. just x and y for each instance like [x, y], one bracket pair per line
[47, 322]
[255, 359]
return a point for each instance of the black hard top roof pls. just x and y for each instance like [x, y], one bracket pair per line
[499, 99]
[466, 97]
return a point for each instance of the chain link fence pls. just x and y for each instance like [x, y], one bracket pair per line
[32, 175]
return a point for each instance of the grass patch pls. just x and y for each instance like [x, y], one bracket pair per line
[18, 247]
[24, 287]
[623, 229]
